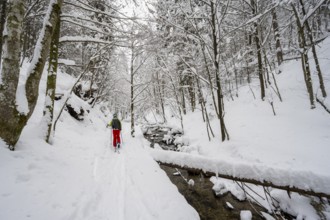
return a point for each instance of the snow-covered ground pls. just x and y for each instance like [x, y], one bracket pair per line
[291, 148]
[80, 176]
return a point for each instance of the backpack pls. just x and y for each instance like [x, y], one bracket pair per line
[115, 124]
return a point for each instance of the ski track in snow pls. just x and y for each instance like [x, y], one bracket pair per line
[119, 188]
[86, 180]
[110, 179]
[119, 185]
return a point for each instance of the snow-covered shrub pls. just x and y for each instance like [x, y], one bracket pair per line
[168, 139]
[175, 131]
[183, 141]
[77, 108]
[85, 91]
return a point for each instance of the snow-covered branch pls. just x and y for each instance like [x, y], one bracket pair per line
[100, 12]
[84, 26]
[63, 16]
[71, 39]
[312, 11]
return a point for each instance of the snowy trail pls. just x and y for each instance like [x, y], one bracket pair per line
[129, 185]
[80, 177]
[128, 189]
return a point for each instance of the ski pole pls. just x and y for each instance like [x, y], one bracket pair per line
[121, 136]
[111, 137]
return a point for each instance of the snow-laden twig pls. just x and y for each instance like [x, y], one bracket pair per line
[312, 11]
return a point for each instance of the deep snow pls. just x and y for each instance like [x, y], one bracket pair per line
[80, 177]
[291, 148]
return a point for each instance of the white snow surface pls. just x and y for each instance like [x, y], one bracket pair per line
[67, 62]
[291, 148]
[229, 205]
[246, 215]
[282, 177]
[21, 100]
[81, 177]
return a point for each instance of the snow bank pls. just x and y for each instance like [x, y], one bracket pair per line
[79, 176]
[246, 215]
[21, 100]
[282, 177]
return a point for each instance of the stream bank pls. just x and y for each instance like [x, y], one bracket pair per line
[197, 188]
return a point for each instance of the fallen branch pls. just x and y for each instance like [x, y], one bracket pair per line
[323, 105]
[302, 182]
[245, 180]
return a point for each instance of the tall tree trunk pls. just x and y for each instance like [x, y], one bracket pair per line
[2, 25]
[204, 109]
[178, 103]
[316, 60]
[132, 93]
[11, 121]
[257, 41]
[279, 52]
[224, 133]
[191, 92]
[51, 78]
[161, 96]
[183, 99]
[210, 81]
[304, 58]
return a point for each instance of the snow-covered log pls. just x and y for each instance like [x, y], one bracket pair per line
[303, 182]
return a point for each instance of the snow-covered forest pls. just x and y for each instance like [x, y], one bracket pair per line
[228, 94]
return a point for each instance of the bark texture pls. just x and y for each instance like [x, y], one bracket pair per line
[12, 123]
[259, 55]
[51, 78]
[3, 12]
[316, 60]
[132, 93]
[279, 52]
[304, 57]
[224, 133]
[10, 118]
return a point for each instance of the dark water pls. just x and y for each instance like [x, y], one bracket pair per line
[201, 195]
[203, 199]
